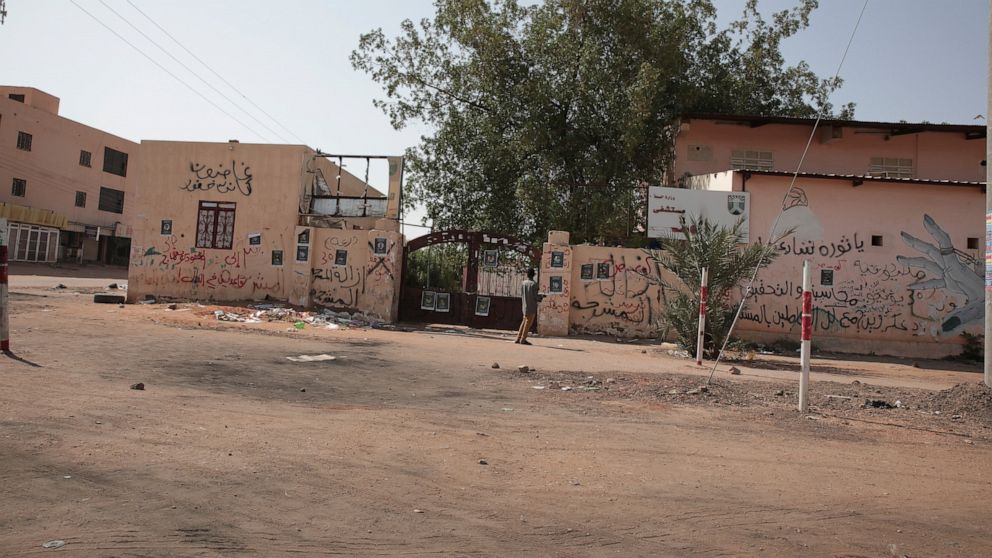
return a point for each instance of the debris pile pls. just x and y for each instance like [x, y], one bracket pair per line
[325, 318]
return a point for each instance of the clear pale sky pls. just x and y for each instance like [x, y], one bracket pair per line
[911, 60]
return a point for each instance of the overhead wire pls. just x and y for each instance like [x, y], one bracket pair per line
[190, 70]
[214, 72]
[792, 185]
[166, 70]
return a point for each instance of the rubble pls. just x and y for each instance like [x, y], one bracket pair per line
[325, 318]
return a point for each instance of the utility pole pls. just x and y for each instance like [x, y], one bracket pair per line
[988, 214]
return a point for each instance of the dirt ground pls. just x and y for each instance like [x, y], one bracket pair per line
[410, 443]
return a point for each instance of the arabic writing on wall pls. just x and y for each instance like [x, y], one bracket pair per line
[222, 178]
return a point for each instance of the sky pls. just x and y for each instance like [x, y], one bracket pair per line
[911, 60]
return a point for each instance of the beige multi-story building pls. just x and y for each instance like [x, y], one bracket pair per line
[66, 188]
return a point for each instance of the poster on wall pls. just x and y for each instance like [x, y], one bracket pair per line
[302, 253]
[603, 270]
[557, 259]
[586, 272]
[555, 284]
[482, 306]
[277, 257]
[341, 257]
[166, 227]
[303, 237]
[379, 247]
[427, 300]
[670, 210]
[254, 239]
[442, 302]
[490, 258]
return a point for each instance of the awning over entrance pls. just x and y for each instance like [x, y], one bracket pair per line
[32, 215]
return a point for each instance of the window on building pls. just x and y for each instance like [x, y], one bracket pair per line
[24, 141]
[876, 240]
[85, 158]
[215, 225]
[750, 160]
[111, 200]
[891, 167]
[114, 162]
[19, 188]
[80, 199]
[19, 97]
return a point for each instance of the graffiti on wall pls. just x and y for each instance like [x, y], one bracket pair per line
[342, 280]
[933, 295]
[222, 179]
[168, 267]
[628, 300]
[950, 272]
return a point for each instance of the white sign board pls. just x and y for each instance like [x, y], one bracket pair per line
[671, 209]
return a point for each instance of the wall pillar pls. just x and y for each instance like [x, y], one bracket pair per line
[384, 270]
[555, 285]
[299, 263]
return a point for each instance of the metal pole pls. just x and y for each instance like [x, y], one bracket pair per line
[988, 215]
[4, 300]
[703, 292]
[807, 339]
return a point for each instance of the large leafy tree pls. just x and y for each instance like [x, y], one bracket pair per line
[556, 115]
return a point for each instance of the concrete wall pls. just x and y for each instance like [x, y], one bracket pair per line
[623, 297]
[347, 273]
[52, 168]
[913, 295]
[936, 155]
[271, 181]
[267, 193]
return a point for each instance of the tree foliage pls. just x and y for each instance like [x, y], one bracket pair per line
[556, 115]
[730, 264]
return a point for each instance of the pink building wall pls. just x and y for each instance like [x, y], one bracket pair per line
[943, 155]
[912, 295]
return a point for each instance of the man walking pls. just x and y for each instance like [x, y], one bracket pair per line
[528, 296]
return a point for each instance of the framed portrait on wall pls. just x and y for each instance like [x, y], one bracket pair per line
[166, 227]
[302, 253]
[603, 270]
[586, 272]
[443, 302]
[277, 257]
[555, 284]
[482, 306]
[557, 259]
[427, 300]
[490, 258]
[341, 257]
[380, 247]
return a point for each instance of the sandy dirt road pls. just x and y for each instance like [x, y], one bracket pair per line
[411, 444]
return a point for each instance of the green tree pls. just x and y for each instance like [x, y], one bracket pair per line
[557, 115]
[730, 263]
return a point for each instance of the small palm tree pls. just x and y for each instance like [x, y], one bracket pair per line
[730, 265]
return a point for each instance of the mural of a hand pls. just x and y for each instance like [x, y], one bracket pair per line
[945, 270]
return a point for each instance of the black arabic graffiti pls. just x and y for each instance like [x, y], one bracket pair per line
[221, 179]
[824, 249]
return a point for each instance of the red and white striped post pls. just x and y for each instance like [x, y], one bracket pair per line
[807, 337]
[4, 302]
[703, 293]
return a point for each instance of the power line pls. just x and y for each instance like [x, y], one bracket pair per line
[166, 70]
[190, 70]
[207, 66]
[792, 185]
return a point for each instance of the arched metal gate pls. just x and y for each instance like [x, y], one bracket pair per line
[489, 296]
